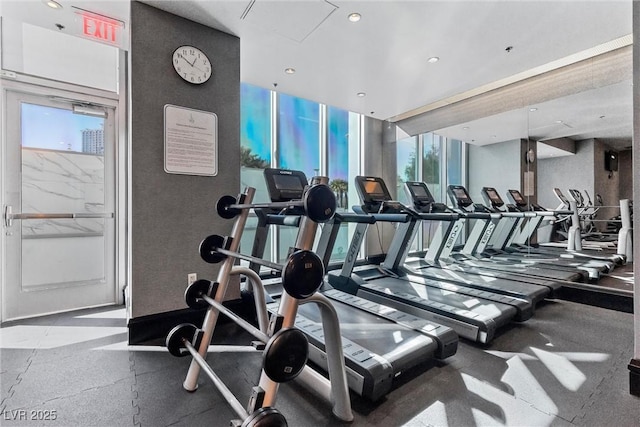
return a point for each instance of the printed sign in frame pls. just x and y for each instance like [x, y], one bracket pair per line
[190, 141]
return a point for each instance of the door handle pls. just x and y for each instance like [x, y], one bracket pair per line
[8, 217]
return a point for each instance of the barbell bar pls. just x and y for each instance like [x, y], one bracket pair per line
[318, 201]
[180, 339]
[302, 273]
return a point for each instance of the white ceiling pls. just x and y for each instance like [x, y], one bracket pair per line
[385, 54]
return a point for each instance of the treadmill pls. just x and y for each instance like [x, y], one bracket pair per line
[474, 314]
[610, 259]
[380, 343]
[469, 255]
[524, 252]
[424, 203]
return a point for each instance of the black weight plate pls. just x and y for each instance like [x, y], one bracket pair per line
[193, 293]
[285, 355]
[208, 249]
[224, 209]
[177, 336]
[303, 274]
[265, 417]
[320, 203]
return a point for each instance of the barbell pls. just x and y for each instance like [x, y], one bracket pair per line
[318, 202]
[302, 273]
[182, 340]
[285, 354]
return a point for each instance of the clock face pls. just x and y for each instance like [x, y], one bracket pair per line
[531, 155]
[192, 64]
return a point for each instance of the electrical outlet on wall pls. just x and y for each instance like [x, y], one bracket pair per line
[191, 277]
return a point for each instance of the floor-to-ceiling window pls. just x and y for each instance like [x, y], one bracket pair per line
[255, 153]
[442, 163]
[279, 130]
[338, 139]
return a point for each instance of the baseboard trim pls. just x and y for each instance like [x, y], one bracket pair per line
[634, 377]
[153, 329]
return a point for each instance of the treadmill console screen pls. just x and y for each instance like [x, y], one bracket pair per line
[420, 196]
[517, 197]
[459, 196]
[373, 194]
[493, 195]
[460, 193]
[288, 183]
[419, 191]
[285, 185]
[374, 190]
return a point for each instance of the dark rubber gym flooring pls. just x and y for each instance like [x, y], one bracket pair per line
[565, 366]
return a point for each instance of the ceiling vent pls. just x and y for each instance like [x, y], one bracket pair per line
[293, 20]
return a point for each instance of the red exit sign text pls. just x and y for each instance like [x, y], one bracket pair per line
[101, 28]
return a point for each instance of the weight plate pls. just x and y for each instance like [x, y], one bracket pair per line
[320, 203]
[177, 336]
[193, 293]
[265, 417]
[208, 248]
[303, 274]
[224, 209]
[285, 355]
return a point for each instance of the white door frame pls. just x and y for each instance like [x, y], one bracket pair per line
[47, 88]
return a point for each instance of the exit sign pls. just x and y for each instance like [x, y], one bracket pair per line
[101, 28]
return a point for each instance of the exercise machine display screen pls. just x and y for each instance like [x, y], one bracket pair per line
[374, 190]
[461, 194]
[288, 183]
[285, 185]
[419, 191]
[517, 197]
[493, 195]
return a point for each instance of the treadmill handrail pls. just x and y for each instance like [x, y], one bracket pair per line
[439, 216]
[354, 218]
[385, 217]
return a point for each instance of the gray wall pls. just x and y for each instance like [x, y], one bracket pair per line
[575, 171]
[585, 171]
[379, 160]
[606, 183]
[496, 165]
[625, 168]
[170, 213]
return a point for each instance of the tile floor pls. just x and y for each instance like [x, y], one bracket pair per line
[567, 366]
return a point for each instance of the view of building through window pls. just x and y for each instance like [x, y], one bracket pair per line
[60, 129]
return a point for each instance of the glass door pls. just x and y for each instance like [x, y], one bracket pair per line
[59, 203]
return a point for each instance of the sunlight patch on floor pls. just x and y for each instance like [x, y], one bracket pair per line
[112, 314]
[46, 337]
[434, 415]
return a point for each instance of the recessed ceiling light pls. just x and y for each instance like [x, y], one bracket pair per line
[433, 60]
[289, 70]
[52, 4]
[559, 122]
[361, 94]
[465, 128]
[532, 109]
[354, 17]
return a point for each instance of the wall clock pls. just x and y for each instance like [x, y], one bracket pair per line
[192, 64]
[531, 155]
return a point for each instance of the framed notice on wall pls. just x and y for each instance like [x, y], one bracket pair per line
[190, 141]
